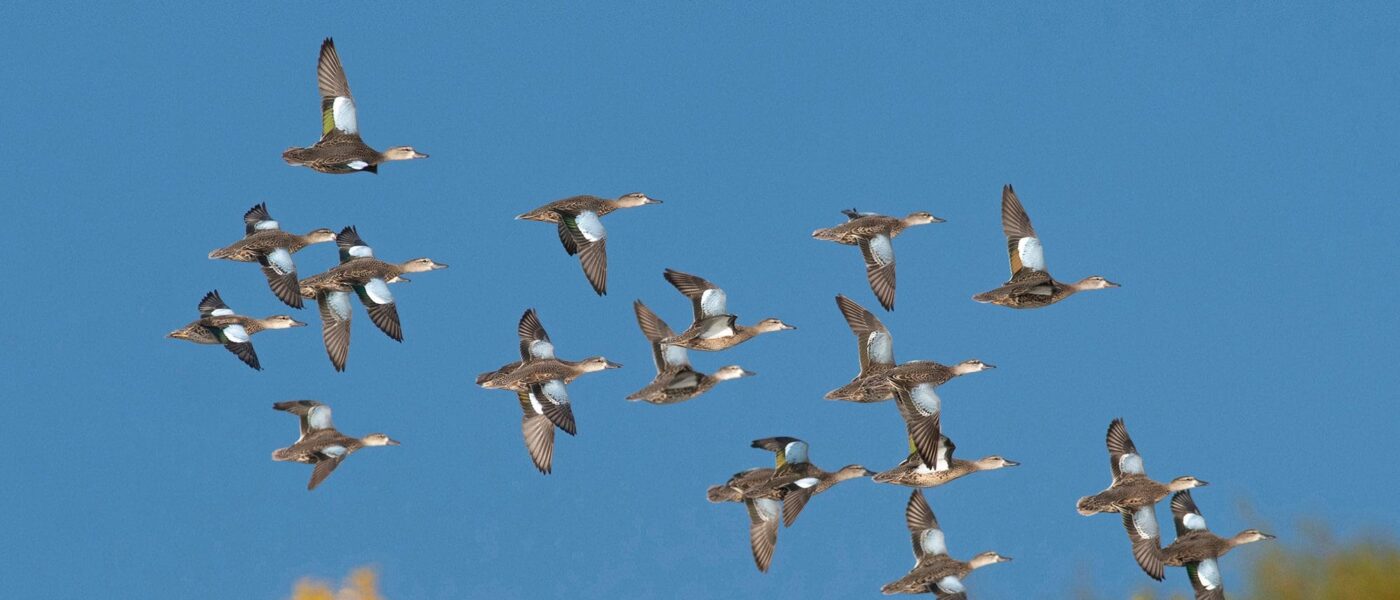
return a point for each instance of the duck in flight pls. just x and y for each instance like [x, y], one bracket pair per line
[265, 243]
[912, 472]
[714, 328]
[934, 571]
[1030, 286]
[874, 234]
[676, 381]
[217, 324]
[579, 220]
[360, 274]
[874, 347]
[320, 444]
[1198, 549]
[340, 149]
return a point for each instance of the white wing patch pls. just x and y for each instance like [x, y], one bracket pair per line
[360, 251]
[343, 111]
[265, 225]
[220, 312]
[1193, 522]
[716, 327]
[281, 260]
[925, 399]
[541, 349]
[931, 540]
[335, 450]
[357, 165]
[236, 333]
[807, 482]
[339, 303]
[951, 585]
[1208, 573]
[535, 404]
[1145, 521]
[590, 226]
[675, 356]
[555, 392]
[1032, 254]
[319, 417]
[880, 347]
[378, 291]
[767, 508]
[1131, 464]
[713, 302]
[881, 249]
[795, 452]
[942, 460]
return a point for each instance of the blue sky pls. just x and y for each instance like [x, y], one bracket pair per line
[1232, 167]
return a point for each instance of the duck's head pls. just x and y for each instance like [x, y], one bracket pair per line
[281, 322]
[420, 265]
[971, 365]
[597, 363]
[852, 472]
[996, 462]
[635, 199]
[320, 235]
[732, 372]
[1094, 282]
[403, 153]
[771, 324]
[1250, 536]
[179, 334]
[379, 439]
[922, 218]
[1185, 482]
[987, 558]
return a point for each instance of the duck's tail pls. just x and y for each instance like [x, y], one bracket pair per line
[219, 253]
[825, 234]
[1086, 506]
[723, 493]
[281, 454]
[295, 156]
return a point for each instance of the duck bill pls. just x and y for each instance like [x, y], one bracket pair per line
[938, 220]
[296, 323]
[1011, 463]
[786, 326]
[747, 373]
[417, 154]
[437, 266]
[607, 364]
[392, 442]
[1112, 284]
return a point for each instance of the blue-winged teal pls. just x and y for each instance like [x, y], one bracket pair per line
[579, 220]
[1030, 286]
[874, 233]
[914, 473]
[676, 381]
[875, 347]
[1198, 549]
[265, 243]
[713, 328]
[934, 571]
[217, 324]
[320, 444]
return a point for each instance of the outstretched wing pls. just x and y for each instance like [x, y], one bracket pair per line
[379, 303]
[665, 356]
[879, 268]
[1141, 525]
[873, 340]
[337, 105]
[1021, 241]
[920, 407]
[335, 325]
[313, 415]
[281, 274]
[590, 238]
[706, 299]
[1206, 580]
[534, 340]
[258, 219]
[763, 529]
[1185, 514]
[1123, 457]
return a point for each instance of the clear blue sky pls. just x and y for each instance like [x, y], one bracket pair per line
[1233, 167]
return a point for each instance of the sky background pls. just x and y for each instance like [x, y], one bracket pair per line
[1233, 167]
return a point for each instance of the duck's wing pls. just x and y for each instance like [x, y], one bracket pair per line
[786, 451]
[763, 529]
[537, 430]
[213, 306]
[379, 303]
[534, 340]
[924, 532]
[1123, 457]
[949, 587]
[1185, 514]
[554, 396]
[235, 337]
[325, 466]
[258, 219]
[351, 245]
[944, 459]
[335, 325]
[590, 239]
[873, 340]
[879, 267]
[281, 274]
[800, 492]
[1021, 242]
[921, 409]
[1206, 580]
[314, 416]
[1141, 525]
[707, 300]
[666, 356]
[337, 105]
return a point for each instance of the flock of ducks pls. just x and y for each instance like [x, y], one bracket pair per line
[773, 496]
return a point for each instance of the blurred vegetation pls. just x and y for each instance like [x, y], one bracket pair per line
[1315, 568]
[362, 584]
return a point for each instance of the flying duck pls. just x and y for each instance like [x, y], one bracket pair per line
[340, 149]
[1030, 286]
[914, 385]
[676, 381]
[265, 243]
[217, 324]
[874, 234]
[320, 444]
[914, 473]
[934, 571]
[713, 328]
[1198, 549]
[875, 347]
[581, 230]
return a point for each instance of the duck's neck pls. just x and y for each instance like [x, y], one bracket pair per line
[980, 561]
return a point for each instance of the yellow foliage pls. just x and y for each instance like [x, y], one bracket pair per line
[1322, 571]
[362, 584]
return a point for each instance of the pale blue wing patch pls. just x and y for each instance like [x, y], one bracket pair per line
[795, 452]
[1145, 522]
[1131, 464]
[880, 348]
[343, 111]
[358, 165]
[925, 399]
[950, 585]
[221, 312]
[1193, 522]
[236, 333]
[281, 261]
[806, 482]
[931, 540]
[334, 450]
[360, 251]
[319, 417]
[881, 249]
[555, 392]
[767, 508]
[675, 356]
[688, 379]
[590, 226]
[266, 225]
[713, 302]
[378, 291]
[540, 349]
[339, 304]
[1208, 574]
[1032, 254]
[716, 327]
